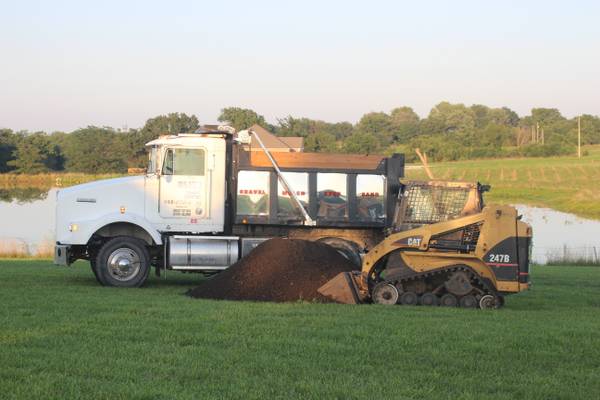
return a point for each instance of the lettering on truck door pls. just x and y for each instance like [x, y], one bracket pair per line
[183, 185]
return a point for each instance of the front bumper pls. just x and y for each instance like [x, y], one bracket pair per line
[62, 255]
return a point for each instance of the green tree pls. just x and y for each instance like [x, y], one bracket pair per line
[556, 128]
[133, 146]
[546, 116]
[361, 143]
[304, 127]
[507, 117]
[437, 147]
[8, 145]
[340, 130]
[495, 136]
[455, 121]
[590, 129]
[405, 124]
[480, 115]
[35, 153]
[379, 125]
[290, 126]
[95, 150]
[241, 118]
[404, 115]
[320, 142]
[134, 140]
[168, 124]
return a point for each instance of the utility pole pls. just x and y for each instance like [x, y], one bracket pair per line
[579, 136]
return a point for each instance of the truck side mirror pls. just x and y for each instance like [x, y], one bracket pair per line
[244, 137]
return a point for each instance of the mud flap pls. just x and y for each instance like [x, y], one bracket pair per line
[342, 288]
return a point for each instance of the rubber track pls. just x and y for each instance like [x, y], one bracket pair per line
[424, 275]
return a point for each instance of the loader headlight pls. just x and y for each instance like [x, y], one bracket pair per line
[73, 227]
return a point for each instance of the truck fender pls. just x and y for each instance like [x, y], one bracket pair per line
[130, 218]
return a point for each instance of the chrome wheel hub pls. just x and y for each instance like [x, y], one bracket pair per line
[123, 264]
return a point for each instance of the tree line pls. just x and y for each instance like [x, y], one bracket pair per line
[449, 132]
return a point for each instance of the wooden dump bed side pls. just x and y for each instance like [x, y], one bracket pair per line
[308, 161]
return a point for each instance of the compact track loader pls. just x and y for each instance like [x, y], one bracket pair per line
[469, 261]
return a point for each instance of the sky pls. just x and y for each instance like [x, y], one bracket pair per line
[70, 64]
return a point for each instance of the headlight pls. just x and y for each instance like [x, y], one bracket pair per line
[73, 227]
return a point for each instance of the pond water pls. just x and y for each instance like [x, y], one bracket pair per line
[558, 235]
[27, 220]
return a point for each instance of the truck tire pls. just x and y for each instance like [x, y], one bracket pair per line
[348, 249]
[94, 270]
[123, 262]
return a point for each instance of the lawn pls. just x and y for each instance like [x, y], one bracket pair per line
[567, 184]
[63, 336]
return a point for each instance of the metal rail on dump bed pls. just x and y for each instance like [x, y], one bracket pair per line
[307, 219]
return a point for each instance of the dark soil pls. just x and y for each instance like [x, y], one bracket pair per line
[277, 270]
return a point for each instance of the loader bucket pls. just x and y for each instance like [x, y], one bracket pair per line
[342, 289]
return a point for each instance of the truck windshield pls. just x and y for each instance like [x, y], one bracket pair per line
[152, 160]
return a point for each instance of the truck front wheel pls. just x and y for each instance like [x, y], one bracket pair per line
[123, 262]
[94, 270]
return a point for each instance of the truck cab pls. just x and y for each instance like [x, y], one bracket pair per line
[185, 185]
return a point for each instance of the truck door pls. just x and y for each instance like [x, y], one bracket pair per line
[192, 187]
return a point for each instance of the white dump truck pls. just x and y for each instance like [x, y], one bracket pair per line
[209, 197]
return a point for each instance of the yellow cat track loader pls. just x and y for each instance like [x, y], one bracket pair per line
[470, 261]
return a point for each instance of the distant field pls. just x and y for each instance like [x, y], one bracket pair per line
[566, 184]
[46, 181]
[63, 336]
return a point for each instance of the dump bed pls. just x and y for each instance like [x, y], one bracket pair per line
[336, 190]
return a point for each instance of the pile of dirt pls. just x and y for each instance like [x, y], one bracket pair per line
[278, 270]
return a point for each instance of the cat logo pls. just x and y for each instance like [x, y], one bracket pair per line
[412, 241]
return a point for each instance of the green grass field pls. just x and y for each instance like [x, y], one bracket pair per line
[566, 184]
[63, 336]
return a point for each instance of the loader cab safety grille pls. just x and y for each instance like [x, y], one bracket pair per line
[425, 204]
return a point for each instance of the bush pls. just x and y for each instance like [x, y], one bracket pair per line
[546, 150]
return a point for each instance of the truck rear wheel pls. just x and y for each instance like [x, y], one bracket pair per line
[123, 262]
[346, 248]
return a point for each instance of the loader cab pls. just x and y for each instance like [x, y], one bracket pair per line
[429, 202]
[185, 183]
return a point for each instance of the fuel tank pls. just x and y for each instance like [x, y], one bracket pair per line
[204, 253]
